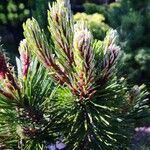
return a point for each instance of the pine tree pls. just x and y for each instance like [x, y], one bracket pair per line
[66, 88]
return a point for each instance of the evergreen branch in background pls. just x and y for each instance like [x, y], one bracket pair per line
[73, 94]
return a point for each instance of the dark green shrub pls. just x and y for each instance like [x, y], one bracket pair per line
[91, 8]
[13, 11]
[39, 11]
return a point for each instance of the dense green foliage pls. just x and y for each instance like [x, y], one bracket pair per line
[39, 11]
[74, 92]
[131, 19]
[12, 15]
[21, 115]
[13, 11]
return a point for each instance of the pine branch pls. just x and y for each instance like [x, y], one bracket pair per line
[84, 61]
[61, 29]
[38, 43]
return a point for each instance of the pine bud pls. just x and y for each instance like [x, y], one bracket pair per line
[24, 57]
[3, 66]
[110, 39]
[112, 52]
[82, 38]
[84, 60]
[84, 57]
[7, 78]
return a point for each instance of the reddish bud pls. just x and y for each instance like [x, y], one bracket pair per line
[3, 67]
[24, 57]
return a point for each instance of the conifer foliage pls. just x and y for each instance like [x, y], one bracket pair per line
[66, 88]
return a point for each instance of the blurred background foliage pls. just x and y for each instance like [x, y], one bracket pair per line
[12, 14]
[96, 23]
